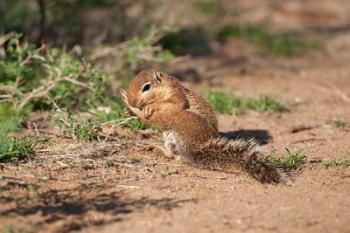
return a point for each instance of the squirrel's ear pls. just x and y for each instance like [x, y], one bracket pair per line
[158, 76]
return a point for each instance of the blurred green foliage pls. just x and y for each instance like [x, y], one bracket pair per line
[182, 41]
[71, 22]
[55, 79]
[27, 71]
[226, 104]
[206, 6]
[12, 148]
[279, 43]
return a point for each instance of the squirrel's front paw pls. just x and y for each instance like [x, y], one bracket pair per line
[125, 100]
[147, 112]
[124, 96]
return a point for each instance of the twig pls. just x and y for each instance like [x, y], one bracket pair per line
[5, 96]
[123, 121]
[128, 186]
[39, 92]
[46, 88]
[27, 59]
[76, 82]
[212, 177]
[62, 164]
[124, 164]
[6, 37]
[36, 129]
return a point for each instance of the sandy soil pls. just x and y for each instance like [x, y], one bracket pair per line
[70, 186]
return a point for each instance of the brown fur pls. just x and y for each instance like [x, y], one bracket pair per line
[171, 90]
[190, 127]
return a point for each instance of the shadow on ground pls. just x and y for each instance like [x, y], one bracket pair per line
[77, 206]
[261, 136]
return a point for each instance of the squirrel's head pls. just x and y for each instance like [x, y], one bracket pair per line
[148, 86]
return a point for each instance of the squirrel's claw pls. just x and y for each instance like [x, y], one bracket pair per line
[147, 112]
[124, 96]
[130, 109]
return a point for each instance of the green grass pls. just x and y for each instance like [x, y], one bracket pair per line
[206, 6]
[264, 104]
[291, 160]
[80, 88]
[86, 130]
[227, 104]
[222, 102]
[80, 129]
[14, 149]
[184, 41]
[339, 162]
[279, 43]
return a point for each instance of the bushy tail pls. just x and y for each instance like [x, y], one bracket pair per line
[223, 154]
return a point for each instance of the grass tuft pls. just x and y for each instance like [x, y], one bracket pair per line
[222, 102]
[12, 148]
[15, 149]
[344, 162]
[227, 104]
[264, 104]
[291, 160]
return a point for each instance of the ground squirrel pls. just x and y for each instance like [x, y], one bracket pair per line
[190, 127]
[171, 90]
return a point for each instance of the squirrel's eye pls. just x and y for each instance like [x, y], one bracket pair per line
[146, 87]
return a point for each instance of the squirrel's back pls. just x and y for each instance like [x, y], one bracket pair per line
[201, 107]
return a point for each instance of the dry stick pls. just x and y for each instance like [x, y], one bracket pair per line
[36, 129]
[5, 96]
[76, 82]
[10, 89]
[39, 92]
[27, 59]
[6, 37]
[121, 122]
[128, 186]
[44, 90]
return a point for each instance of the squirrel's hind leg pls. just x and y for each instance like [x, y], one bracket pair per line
[171, 144]
[167, 153]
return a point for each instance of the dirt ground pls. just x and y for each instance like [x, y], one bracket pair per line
[127, 186]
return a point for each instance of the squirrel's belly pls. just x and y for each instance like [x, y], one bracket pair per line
[173, 142]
